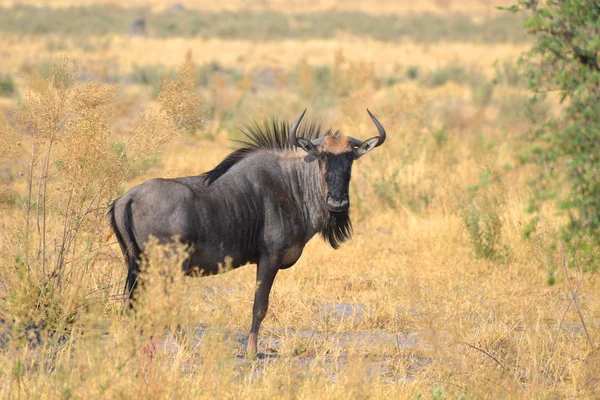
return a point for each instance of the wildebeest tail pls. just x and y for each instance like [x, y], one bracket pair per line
[129, 247]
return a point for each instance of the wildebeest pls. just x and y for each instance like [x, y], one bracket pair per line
[260, 205]
[137, 27]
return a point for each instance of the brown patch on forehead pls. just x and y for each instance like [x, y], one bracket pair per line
[336, 144]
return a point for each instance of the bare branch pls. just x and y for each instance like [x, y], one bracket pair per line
[574, 295]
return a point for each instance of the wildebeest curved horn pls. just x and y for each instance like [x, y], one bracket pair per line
[379, 128]
[293, 138]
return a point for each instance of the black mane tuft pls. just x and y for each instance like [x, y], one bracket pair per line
[272, 135]
[337, 229]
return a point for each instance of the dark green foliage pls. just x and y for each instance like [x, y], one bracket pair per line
[151, 75]
[258, 25]
[453, 72]
[390, 80]
[441, 137]
[205, 73]
[412, 72]
[564, 59]
[393, 193]
[7, 85]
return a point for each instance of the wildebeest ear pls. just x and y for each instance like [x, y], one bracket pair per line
[366, 146]
[308, 147]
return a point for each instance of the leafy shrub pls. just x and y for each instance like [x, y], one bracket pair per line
[453, 72]
[313, 81]
[412, 72]
[393, 193]
[205, 73]
[515, 108]
[508, 73]
[7, 85]
[389, 80]
[151, 75]
[440, 136]
[482, 93]
[440, 76]
[480, 213]
[387, 188]
[565, 149]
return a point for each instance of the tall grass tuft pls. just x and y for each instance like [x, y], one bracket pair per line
[481, 214]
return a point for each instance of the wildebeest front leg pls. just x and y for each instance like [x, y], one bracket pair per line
[265, 275]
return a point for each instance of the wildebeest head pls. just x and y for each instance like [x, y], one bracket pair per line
[335, 154]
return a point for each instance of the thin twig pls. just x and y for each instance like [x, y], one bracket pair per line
[42, 181]
[66, 224]
[486, 353]
[574, 295]
[29, 194]
[483, 351]
[88, 252]
[514, 325]
[563, 319]
[140, 130]
[9, 245]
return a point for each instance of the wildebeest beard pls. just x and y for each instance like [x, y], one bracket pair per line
[337, 228]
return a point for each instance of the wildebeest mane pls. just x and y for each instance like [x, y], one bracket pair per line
[272, 135]
[337, 229]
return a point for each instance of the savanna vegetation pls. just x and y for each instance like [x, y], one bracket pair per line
[471, 271]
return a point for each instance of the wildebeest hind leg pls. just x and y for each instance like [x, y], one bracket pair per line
[265, 275]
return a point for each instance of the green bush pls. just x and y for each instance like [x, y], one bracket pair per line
[438, 77]
[565, 149]
[508, 73]
[482, 93]
[412, 72]
[393, 193]
[7, 85]
[453, 72]
[517, 108]
[205, 72]
[480, 213]
[440, 136]
[151, 75]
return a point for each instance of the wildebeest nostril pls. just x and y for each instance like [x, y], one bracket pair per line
[338, 204]
[344, 202]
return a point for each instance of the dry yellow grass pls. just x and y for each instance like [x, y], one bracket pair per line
[402, 309]
[120, 53]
